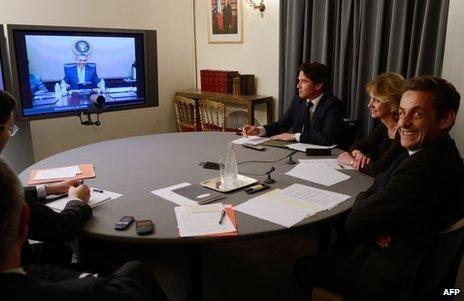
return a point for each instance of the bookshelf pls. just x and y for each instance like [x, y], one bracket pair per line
[247, 101]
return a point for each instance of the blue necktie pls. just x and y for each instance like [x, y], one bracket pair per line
[307, 117]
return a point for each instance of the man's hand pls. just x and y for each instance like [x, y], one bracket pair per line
[250, 130]
[383, 241]
[81, 192]
[60, 187]
[284, 137]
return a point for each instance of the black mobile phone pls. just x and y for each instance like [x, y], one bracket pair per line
[252, 146]
[123, 223]
[144, 227]
[256, 188]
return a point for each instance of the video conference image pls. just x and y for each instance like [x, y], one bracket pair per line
[66, 72]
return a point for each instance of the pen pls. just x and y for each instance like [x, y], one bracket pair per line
[97, 190]
[223, 213]
[342, 167]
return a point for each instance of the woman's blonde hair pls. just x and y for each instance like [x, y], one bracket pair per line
[388, 88]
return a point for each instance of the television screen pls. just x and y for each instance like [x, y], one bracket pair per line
[60, 71]
[4, 64]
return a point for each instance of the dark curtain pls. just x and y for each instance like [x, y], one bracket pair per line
[358, 40]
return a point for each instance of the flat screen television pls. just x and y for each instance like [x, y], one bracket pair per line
[5, 78]
[61, 71]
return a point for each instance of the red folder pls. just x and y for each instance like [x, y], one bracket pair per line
[88, 172]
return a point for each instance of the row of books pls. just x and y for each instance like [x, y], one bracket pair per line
[230, 82]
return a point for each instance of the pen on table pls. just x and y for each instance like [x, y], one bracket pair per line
[97, 190]
[342, 167]
[223, 213]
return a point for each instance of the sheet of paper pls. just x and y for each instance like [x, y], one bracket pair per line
[251, 140]
[168, 194]
[274, 207]
[202, 220]
[318, 173]
[303, 146]
[318, 198]
[330, 162]
[58, 173]
[96, 199]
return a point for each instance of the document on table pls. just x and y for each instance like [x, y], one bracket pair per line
[333, 163]
[168, 194]
[291, 205]
[318, 173]
[251, 140]
[203, 220]
[303, 146]
[96, 199]
[57, 173]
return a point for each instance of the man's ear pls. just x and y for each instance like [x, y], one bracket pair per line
[319, 86]
[448, 120]
[23, 224]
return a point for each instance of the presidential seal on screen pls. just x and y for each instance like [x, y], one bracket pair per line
[82, 47]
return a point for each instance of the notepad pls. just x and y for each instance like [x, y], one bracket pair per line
[198, 193]
[96, 199]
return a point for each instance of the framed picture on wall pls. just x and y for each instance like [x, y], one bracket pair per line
[225, 24]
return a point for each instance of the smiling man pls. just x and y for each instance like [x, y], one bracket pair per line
[395, 222]
[314, 116]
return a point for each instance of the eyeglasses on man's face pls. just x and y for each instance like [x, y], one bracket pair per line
[12, 128]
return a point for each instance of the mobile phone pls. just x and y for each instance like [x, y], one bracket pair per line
[123, 223]
[256, 188]
[252, 146]
[144, 227]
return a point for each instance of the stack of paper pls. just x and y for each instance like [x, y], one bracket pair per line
[57, 173]
[333, 163]
[303, 146]
[319, 173]
[203, 220]
[96, 199]
[251, 140]
[291, 205]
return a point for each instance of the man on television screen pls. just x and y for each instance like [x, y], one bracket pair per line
[81, 75]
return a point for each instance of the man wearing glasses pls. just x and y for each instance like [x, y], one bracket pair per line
[52, 228]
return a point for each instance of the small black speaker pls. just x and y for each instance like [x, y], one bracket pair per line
[318, 152]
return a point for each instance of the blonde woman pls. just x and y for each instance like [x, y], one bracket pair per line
[374, 153]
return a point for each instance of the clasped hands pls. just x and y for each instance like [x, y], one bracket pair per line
[74, 188]
[356, 159]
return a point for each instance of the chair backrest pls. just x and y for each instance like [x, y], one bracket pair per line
[212, 115]
[350, 127]
[440, 268]
[186, 113]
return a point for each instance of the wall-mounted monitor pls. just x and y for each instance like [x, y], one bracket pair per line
[5, 78]
[60, 71]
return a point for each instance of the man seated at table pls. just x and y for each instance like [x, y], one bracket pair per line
[81, 74]
[395, 222]
[52, 228]
[315, 115]
[133, 281]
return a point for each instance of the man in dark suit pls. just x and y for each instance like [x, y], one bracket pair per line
[81, 73]
[133, 281]
[315, 116]
[52, 228]
[395, 222]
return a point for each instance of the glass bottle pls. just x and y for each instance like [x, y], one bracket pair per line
[231, 169]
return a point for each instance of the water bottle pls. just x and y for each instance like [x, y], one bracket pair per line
[101, 85]
[134, 71]
[57, 90]
[231, 169]
[63, 90]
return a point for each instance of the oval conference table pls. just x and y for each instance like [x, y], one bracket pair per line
[137, 165]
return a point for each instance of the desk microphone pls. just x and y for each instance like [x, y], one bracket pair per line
[290, 159]
[97, 100]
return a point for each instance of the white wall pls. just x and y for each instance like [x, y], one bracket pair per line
[453, 64]
[258, 54]
[173, 21]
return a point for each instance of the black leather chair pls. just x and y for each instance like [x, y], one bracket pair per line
[350, 128]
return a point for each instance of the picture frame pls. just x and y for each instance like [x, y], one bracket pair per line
[225, 21]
